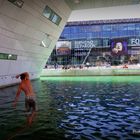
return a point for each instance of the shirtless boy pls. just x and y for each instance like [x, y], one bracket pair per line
[26, 87]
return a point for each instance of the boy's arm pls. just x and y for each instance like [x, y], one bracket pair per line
[17, 96]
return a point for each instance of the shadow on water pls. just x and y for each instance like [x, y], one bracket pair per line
[84, 108]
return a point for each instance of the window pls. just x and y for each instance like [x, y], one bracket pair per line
[51, 15]
[73, 30]
[123, 33]
[105, 42]
[114, 34]
[131, 27]
[123, 27]
[46, 41]
[131, 32]
[137, 26]
[96, 28]
[56, 19]
[114, 27]
[47, 12]
[106, 27]
[106, 34]
[8, 56]
[18, 3]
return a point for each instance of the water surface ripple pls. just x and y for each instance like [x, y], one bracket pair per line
[74, 111]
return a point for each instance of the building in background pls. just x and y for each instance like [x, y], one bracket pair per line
[100, 42]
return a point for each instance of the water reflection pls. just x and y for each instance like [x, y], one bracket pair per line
[74, 110]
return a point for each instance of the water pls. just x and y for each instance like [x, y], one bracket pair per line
[83, 108]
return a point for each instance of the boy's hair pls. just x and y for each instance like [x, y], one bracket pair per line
[22, 76]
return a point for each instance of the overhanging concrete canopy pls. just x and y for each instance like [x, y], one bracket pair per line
[90, 4]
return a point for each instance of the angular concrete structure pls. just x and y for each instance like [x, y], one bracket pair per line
[21, 33]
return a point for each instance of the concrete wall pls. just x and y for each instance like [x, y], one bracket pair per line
[21, 32]
[99, 71]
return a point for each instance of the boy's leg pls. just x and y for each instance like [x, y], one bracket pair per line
[31, 118]
[27, 105]
[32, 106]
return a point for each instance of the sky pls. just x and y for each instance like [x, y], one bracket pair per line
[118, 12]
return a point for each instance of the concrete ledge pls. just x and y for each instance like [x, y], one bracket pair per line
[14, 84]
[99, 71]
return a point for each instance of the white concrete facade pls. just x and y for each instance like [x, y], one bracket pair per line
[21, 32]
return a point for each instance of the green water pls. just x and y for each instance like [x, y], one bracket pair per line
[132, 79]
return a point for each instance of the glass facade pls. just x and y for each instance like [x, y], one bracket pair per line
[104, 42]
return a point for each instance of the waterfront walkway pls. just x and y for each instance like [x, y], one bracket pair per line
[94, 71]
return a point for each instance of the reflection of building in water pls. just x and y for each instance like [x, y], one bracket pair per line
[112, 41]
